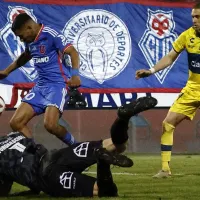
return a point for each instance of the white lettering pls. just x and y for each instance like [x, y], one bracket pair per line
[102, 37]
[19, 147]
[195, 64]
[41, 60]
[6, 146]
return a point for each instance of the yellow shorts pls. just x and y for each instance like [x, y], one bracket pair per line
[187, 103]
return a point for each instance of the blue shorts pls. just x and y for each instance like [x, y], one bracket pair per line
[41, 97]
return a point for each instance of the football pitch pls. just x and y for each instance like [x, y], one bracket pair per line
[137, 182]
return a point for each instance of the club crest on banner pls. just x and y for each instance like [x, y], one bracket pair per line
[103, 42]
[157, 40]
[13, 45]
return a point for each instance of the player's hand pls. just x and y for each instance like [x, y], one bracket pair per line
[142, 73]
[3, 74]
[74, 81]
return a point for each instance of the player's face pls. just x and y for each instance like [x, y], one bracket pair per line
[26, 34]
[196, 19]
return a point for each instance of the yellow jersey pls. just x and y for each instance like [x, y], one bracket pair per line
[189, 41]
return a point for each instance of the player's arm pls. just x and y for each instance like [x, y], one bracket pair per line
[20, 61]
[167, 60]
[75, 79]
[72, 52]
[63, 46]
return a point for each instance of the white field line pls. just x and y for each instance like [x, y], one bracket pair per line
[130, 174]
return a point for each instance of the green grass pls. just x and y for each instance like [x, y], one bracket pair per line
[137, 183]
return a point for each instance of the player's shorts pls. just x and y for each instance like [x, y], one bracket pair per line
[64, 176]
[187, 103]
[41, 97]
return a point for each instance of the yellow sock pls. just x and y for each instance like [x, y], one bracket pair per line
[166, 157]
[166, 145]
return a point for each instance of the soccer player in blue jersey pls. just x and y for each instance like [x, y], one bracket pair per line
[45, 46]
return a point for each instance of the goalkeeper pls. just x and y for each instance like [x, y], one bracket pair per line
[59, 173]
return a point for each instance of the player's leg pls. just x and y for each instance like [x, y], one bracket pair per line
[119, 135]
[31, 105]
[64, 177]
[82, 155]
[119, 129]
[117, 143]
[183, 108]
[21, 117]
[78, 157]
[62, 182]
[105, 184]
[171, 121]
[55, 97]
[141, 104]
[51, 118]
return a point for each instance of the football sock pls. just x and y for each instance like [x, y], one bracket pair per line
[119, 130]
[166, 145]
[105, 181]
[68, 139]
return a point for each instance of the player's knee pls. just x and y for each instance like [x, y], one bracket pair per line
[108, 144]
[50, 126]
[167, 127]
[16, 124]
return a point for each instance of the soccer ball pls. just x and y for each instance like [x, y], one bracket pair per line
[2, 105]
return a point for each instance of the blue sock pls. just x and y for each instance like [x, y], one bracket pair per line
[68, 139]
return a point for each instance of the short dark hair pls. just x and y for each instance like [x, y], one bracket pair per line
[19, 21]
[196, 6]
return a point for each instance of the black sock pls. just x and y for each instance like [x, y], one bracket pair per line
[103, 173]
[119, 130]
[105, 181]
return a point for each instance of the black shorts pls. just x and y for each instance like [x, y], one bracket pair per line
[63, 174]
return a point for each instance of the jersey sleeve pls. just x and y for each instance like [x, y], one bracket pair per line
[180, 43]
[61, 43]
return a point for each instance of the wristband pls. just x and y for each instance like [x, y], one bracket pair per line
[75, 72]
[152, 70]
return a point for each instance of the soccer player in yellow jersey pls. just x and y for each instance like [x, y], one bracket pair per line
[188, 101]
